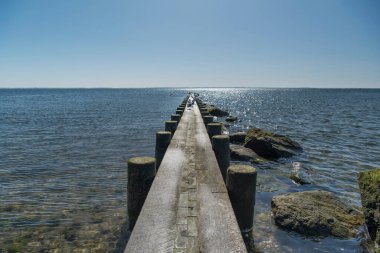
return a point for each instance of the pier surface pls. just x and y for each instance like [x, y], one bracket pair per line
[187, 208]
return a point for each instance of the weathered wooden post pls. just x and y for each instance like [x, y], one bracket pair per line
[214, 129]
[141, 173]
[162, 142]
[180, 112]
[241, 186]
[171, 126]
[221, 147]
[204, 114]
[175, 117]
[208, 119]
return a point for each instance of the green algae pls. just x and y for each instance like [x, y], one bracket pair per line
[369, 184]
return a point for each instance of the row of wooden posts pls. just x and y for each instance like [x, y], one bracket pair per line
[240, 179]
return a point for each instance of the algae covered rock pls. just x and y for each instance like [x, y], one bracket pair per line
[270, 145]
[238, 138]
[299, 175]
[315, 213]
[369, 184]
[231, 119]
[240, 153]
[298, 179]
[215, 111]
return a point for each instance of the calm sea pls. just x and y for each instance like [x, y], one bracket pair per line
[63, 154]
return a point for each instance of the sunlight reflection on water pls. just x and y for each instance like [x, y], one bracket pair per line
[64, 152]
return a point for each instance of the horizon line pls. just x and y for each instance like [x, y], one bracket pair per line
[197, 87]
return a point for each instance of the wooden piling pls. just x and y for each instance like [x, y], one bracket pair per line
[176, 117]
[205, 114]
[207, 119]
[171, 126]
[141, 173]
[162, 142]
[214, 129]
[180, 112]
[221, 147]
[241, 186]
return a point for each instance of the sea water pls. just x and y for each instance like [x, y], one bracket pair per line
[63, 154]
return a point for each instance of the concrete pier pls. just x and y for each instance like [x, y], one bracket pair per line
[187, 208]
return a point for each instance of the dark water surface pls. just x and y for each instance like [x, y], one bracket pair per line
[63, 158]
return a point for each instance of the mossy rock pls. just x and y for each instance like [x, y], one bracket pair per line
[270, 145]
[238, 138]
[216, 111]
[240, 153]
[15, 248]
[369, 184]
[316, 214]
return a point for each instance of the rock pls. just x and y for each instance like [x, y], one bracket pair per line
[231, 119]
[238, 138]
[215, 111]
[369, 184]
[298, 174]
[225, 129]
[315, 213]
[270, 145]
[299, 180]
[240, 153]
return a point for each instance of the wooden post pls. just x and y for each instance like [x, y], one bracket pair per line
[180, 112]
[241, 186]
[214, 129]
[205, 114]
[208, 119]
[221, 147]
[141, 173]
[171, 126]
[176, 117]
[162, 142]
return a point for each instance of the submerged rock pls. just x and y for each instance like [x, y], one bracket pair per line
[216, 111]
[240, 153]
[270, 145]
[225, 129]
[238, 138]
[298, 175]
[231, 119]
[369, 184]
[315, 213]
[299, 180]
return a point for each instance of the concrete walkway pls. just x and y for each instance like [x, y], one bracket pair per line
[187, 208]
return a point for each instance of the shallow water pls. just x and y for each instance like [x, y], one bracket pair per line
[63, 158]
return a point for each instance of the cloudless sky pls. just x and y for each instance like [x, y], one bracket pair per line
[190, 43]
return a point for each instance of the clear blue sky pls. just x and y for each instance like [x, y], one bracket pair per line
[207, 43]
